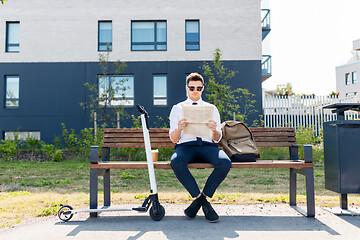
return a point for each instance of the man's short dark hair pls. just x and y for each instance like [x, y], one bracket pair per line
[194, 77]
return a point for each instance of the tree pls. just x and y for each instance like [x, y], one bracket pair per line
[284, 89]
[3, 1]
[107, 97]
[232, 103]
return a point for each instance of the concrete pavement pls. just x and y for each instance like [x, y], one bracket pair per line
[237, 222]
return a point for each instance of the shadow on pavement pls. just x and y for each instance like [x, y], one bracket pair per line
[177, 227]
[354, 220]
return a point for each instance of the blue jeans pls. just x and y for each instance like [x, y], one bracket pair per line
[191, 152]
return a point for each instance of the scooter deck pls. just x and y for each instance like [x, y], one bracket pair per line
[139, 209]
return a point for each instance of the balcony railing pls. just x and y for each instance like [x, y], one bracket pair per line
[265, 22]
[266, 67]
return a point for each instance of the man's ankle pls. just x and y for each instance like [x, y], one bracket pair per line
[202, 200]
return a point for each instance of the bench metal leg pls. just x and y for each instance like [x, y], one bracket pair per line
[292, 187]
[105, 154]
[294, 152]
[93, 191]
[310, 193]
[343, 201]
[107, 197]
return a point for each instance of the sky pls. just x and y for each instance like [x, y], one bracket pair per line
[308, 39]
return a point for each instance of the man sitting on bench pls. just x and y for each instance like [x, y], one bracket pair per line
[190, 149]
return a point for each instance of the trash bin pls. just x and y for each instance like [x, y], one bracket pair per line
[342, 152]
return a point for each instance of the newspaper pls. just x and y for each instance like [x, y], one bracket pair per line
[197, 116]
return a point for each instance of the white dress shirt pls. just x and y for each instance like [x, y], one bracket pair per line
[176, 115]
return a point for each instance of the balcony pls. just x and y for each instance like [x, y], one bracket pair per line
[265, 22]
[266, 67]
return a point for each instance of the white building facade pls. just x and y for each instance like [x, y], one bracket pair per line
[50, 49]
[347, 76]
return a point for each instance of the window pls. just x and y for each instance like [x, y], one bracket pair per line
[354, 77]
[120, 87]
[105, 36]
[347, 79]
[12, 41]
[21, 135]
[160, 89]
[192, 35]
[351, 94]
[148, 36]
[186, 76]
[12, 91]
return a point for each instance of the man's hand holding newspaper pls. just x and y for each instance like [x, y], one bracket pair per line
[198, 121]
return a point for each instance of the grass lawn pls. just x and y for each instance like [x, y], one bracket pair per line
[29, 189]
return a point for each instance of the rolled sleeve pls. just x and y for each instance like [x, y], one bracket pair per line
[175, 116]
[218, 123]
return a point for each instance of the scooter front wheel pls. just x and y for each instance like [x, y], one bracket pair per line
[63, 213]
[158, 214]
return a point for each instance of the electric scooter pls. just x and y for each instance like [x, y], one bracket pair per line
[157, 212]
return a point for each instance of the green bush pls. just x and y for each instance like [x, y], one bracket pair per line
[165, 154]
[274, 153]
[136, 121]
[48, 149]
[33, 143]
[57, 156]
[57, 142]
[306, 135]
[70, 138]
[84, 140]
[8, 148]
[161, 123]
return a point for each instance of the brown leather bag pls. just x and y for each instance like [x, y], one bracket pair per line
[238, 142]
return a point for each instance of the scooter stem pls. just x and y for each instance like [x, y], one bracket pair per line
[149, 155]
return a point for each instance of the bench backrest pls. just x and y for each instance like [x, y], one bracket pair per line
[159, 137]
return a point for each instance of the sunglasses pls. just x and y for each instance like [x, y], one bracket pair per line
[192, 88]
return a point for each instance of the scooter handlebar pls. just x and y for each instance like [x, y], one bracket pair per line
[141, 109]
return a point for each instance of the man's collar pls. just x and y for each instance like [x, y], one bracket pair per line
[189, 101]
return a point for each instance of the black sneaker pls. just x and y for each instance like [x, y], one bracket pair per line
[210, 214]
[192, 210]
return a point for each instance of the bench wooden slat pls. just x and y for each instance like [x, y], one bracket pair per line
[274, 134]
[275, 144]
[275, 129]
[132, 130]
[138, 134]
[166, 165]
[136, 140]
[138, 145]
[272, 139]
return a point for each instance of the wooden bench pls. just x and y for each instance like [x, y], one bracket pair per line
[264, 137]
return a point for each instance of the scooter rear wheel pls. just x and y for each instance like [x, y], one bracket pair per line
[157, 215]
[64, 209]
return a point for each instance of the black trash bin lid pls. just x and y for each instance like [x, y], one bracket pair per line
[348, 106]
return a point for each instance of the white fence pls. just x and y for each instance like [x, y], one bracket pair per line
[307, 111]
